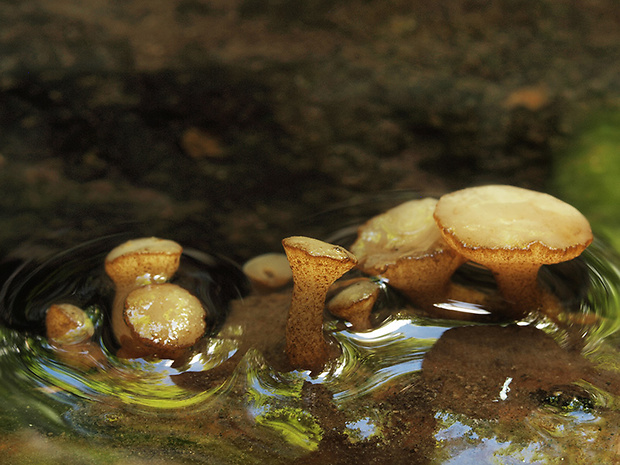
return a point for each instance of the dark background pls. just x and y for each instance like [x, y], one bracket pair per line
[229, 124]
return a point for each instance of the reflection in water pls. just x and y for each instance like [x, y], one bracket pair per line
[232, 396]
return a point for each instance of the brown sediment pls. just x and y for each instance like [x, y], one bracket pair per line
[496, 372]
[255, 322]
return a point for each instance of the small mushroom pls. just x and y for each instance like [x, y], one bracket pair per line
[354, 303]
[316, 265]
[67, 324]
[137, 263]
[513, 232]
[164, 319]
[404, 246]
[143, 261]
[268, 272]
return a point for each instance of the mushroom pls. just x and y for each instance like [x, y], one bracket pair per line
[67, 324]
[354, 303]
[164, 319]
[143, 261]
[268, 272]
[513, 232]
[69, 331]
[316, 265]
[404, 246]
[137, 263]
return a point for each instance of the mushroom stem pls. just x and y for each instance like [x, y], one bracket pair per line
[518, 285]
[316, 265]
[425, 280]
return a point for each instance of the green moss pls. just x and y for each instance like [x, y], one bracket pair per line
[587, 172]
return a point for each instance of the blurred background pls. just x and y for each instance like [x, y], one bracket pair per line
[228, 124]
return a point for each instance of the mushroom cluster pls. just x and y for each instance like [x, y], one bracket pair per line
[512, 231]
[151, 316]
[415, 248]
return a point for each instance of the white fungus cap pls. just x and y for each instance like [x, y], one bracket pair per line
[270, 270]
[512, 218]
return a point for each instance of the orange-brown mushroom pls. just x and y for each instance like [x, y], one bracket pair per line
[404, 246]
[143, 261]
[316, 265]
[134, 264]
[67, 324]
[513, 232]
[355, 302]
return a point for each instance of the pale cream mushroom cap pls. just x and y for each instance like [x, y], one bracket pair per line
[317, 248]
[164, 316]
[513, 232]
[502, 217]
[407, 230]
[404, 246]
[269, 271]
[143, 261]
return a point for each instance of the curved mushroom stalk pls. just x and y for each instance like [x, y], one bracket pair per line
[518, 285]
[316, 265]
[513, 232]
[404, 246]
[354, 303]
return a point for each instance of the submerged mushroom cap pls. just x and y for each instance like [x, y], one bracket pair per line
[142, 261]
[499, 218]
[164, 316]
